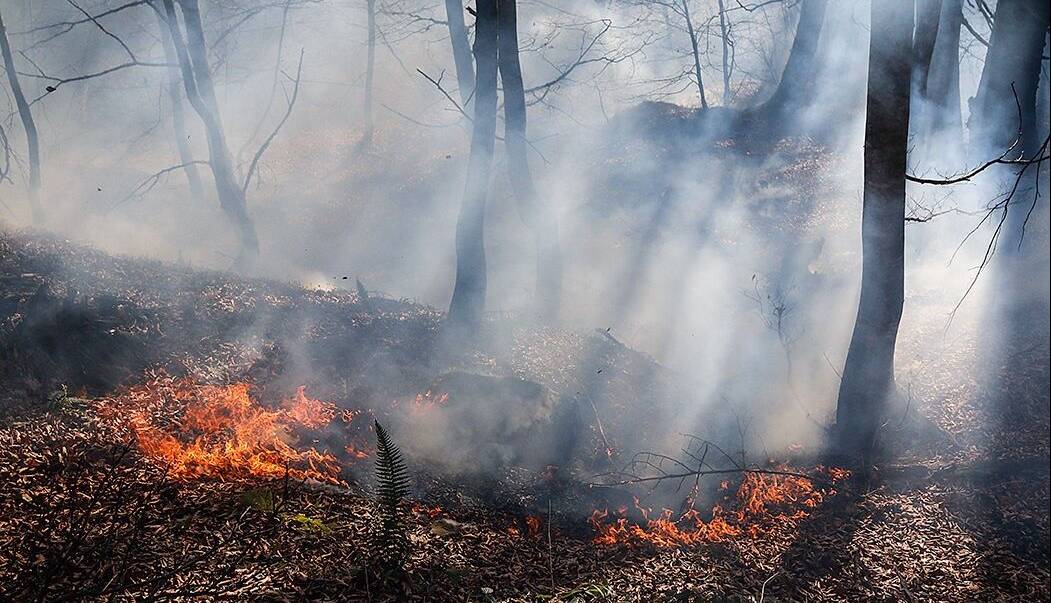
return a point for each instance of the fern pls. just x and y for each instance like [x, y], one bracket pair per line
[392, 486]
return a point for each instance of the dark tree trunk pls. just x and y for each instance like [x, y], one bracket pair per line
[724, 31]
[535, 213]
[468, 299]
[696, 53]
[1013, 59]
[941, 116]
[868, 375]
[928, 16]
[370, 71]
[175, 95]
[461, 49]
[1005, 105]
[200, 91]
[797, 80]
[28, 124]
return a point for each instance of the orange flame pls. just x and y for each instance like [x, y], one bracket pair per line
[224, 433]
[428, 401]
[761, 501]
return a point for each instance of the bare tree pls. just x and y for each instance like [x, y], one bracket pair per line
[868, 375]
[795, 87]
[940, 87]
[698, 74]
[468, 299]
[1005, 105]
[370, 72]
[175, 98]
[200, 91]
[28, 124]
[535, 213]
[724, 33]
[461, 49]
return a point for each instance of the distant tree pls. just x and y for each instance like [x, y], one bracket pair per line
[535, 212]
[496, 52]
[192, 54]
[1004, 111]
[469, 289]
[461, 47]
[868, 374]
[173, 88]
[370, 71]
[938, 82]
[28, 124]
[795, 88]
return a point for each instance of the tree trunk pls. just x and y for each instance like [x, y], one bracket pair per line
[26, 115]
[535, 213]
[1012, 68]
[942, 119]
[468, 299]
[461, 50]
[370, 72]
[193, 175]
[868, 375]
[928, 16]
[724, 30]
[1005, 105]
[197, 82]
[696, 53]
[797, 80]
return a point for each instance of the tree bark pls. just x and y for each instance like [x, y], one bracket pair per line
[461, 49]
[1005, 105]
[724, 30]
[942, 118]
[868, 375]
[200, 91]
[370, 71]
[172, 85]
[696, 53]
[468, 299]
[928, 16]
[28, 124]
[796, 85]
[1013, 59]
[535, 213]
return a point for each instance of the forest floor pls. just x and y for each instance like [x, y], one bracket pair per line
[86, 512]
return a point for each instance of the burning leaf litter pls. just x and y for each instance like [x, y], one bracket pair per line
[224, 432]
[761, 501]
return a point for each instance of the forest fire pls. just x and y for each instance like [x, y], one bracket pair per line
[761, 501]
[225, 433]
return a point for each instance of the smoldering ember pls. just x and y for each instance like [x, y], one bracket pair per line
[549, 300]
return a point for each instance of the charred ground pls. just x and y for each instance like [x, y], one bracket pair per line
[89, 516]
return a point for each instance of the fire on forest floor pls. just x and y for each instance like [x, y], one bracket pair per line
[762, 500]
[196, 430]
[226, 432]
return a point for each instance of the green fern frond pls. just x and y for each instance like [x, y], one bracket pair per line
[392, 486]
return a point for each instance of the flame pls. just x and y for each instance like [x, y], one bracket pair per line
[761, 501]
[533, 525]
[429, 512]
[224, 433]
[356, 453]
[428, 401]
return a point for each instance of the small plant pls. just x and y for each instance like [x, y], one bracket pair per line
[63, 401]
[260, 499]
[391, 541]
[306, 523]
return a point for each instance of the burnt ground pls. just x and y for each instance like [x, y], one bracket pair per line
[83, 515]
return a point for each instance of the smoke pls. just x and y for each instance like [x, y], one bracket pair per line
[736, 270]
